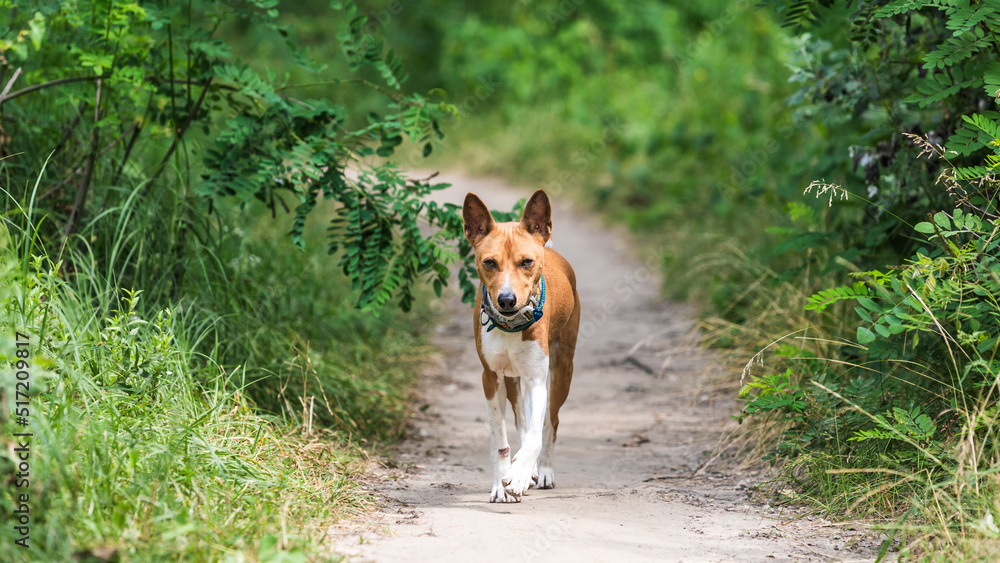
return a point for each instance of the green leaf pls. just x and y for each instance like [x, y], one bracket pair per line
[861, 312]
[902, 6]
[924, 227]
[865, 336]
[869, 304]
[992, 79]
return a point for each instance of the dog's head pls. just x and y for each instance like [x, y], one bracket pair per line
[509, 255]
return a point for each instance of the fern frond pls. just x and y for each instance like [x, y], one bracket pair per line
[972, 172]
[825, 298]
[957, 49]
[977, 132]
[941, 85]
[903, 6]
[985, 123]
[991, 77]
[799, 14]
[961, 20]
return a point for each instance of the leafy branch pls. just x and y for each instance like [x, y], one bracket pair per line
[139, 66]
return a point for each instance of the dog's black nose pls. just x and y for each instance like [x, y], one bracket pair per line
[506, 301]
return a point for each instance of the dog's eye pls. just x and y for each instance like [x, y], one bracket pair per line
[527, 262]
[490, 263]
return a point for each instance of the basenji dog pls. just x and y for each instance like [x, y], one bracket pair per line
[526, 320]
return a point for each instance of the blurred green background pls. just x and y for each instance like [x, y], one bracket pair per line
[820, 173]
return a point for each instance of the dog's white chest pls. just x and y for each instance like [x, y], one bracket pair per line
[510, 356]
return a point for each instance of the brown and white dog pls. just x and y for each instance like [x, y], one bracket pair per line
[526, 320]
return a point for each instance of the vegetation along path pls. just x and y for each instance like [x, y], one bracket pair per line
[635, 436]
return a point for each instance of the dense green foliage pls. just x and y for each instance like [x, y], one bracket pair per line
[121, 93]
[909, 407]
[168, 129]
[702, 124]
[655, 113]
[893, 71]
[200, 388]
[149, 437]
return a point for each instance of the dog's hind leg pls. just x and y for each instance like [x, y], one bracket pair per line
[545, 474]
[561, 355]
[557, 395]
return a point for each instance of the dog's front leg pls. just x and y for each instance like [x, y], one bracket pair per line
[535, 397]
[499, 447]
[521, 418]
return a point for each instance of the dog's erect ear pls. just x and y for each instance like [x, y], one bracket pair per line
[478, 221]
[537, 218]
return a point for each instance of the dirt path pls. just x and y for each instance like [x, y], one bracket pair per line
[639, 421]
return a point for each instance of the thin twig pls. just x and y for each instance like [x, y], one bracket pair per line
[181, 131]
[49, 84]
[131, 142]
[43, 85]
[10, 83]
[119, 139]
[69, 130]
[128, 151]
[81, 193]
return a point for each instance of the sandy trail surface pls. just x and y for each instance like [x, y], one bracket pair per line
[633, 480]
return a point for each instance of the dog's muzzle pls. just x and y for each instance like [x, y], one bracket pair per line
[517, 321]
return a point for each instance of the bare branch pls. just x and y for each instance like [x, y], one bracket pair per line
[182, 130]
[10, 83]
[4, 97]
[81, 193]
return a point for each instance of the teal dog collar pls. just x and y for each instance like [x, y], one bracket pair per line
[527, 316]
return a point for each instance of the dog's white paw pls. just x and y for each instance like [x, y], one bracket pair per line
[501, 495]
[519, 479]
[546, 478]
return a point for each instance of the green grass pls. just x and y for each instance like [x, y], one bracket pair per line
[200, 390]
